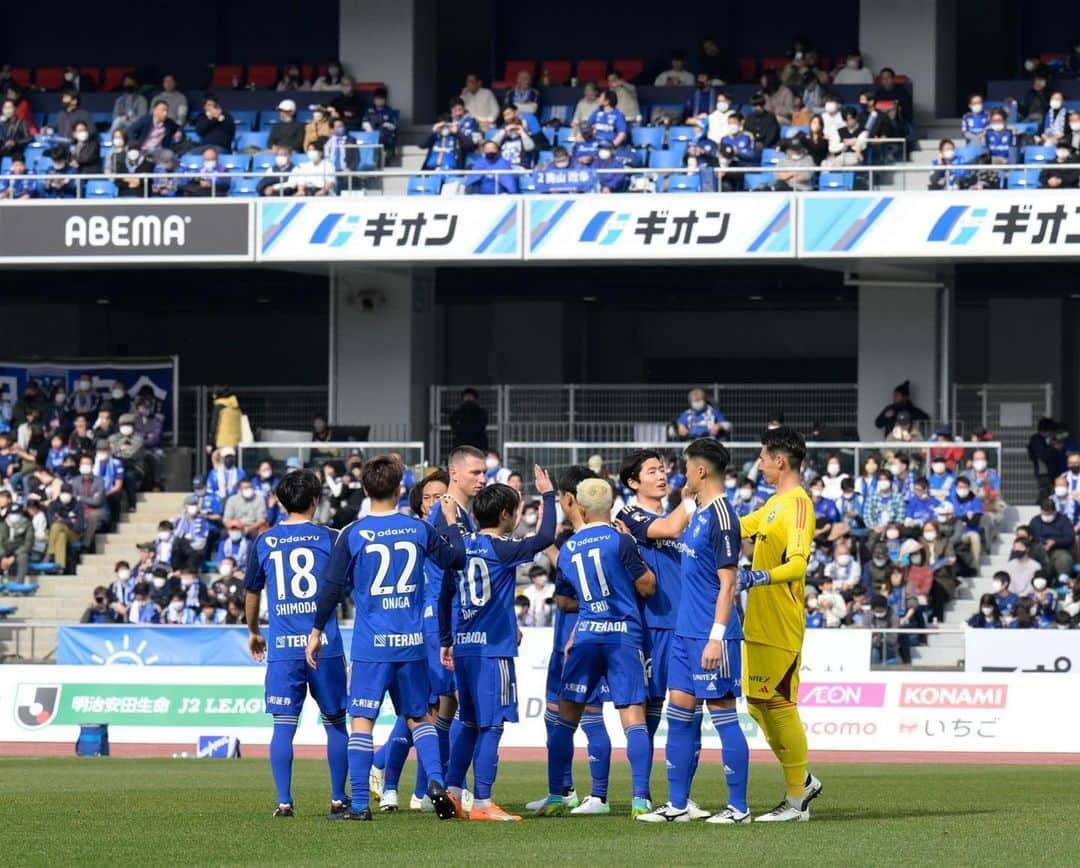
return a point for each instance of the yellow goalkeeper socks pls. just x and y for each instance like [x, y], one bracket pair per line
[787, 738]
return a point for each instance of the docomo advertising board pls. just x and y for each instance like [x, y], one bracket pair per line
[847, 708]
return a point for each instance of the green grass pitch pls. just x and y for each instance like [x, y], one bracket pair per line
[218, 812]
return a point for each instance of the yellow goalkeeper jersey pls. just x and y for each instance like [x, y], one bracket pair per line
[781, 529]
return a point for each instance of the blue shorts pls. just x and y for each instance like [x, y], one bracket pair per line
[685, 672]
[657, 653]
[440, 679]
[587, 664]
[287, 683]
[554, 684]
[406, 680]
[487, 690]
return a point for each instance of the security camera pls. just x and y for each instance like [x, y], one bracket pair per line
[368, 300]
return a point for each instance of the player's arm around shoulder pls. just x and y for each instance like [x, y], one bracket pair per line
[749, 523]
[644, 580]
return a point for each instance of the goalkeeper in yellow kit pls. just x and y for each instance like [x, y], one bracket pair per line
[782, 531]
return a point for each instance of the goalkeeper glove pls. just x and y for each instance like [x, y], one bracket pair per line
[751, 578]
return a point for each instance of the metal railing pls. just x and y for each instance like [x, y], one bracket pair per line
[863, 178]
[250, 454]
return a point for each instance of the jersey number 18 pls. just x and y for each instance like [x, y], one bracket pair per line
[302, 582]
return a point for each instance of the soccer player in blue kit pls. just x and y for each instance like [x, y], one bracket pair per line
[480, 638]
[292, 558]
[602, 576]
[380, 560]
[644, 473]
[706, 653]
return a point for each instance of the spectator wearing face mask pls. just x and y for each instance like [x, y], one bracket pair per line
[276, 180]
[824, 510]
[948, 176]
[100, 611]
[316, 177]
[608, 167]
[177, 612]
[127, 446]
[883, 505]
[287, 131]
[975, 121]
[1006, 600]
[483, 182]
[745, 501]
[123, 587]
[940, 479]
[516, 145]
[84, 399]
[1063, 502]
[876, 569]
[142, 609]
[264, 480]
[15, 135]
[1044, 601]
[969, 511]
[701, 419]
[530, 515]
[988, 617]
[1054, 532]
[540, 593]
[215, 126]
[494, 472]
[246, 511]
[843, 569]
[236, 547]
[852, 70]
[190, 533]
[224, 480]
[66, 526]
[884, 647]
[1064, 172]
[111, 472]
[815, 619]
[1056, 120]
[999, 139]
[209, 178]
[762, 125]
[831, 603]
[716, 123]
[921, 507]
[210, 612]
[130, 106]
[343, 155]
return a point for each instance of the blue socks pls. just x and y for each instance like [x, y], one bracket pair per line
[560, 753]
[462, 748]
[699, 717]
[281, 755]
[397, 751]
[337, 754]
[638, 749]
[680, 754]
[736, 754]
[550, 719]
[426, 742]
[599, 752]
[361, 753]
[442, 726]
[486, 761]
[654, 711]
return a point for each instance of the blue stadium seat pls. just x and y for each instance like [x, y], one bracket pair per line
[1020, 179]
[102, 118]
[41, 164]
[369, 157]
[235, 162]
[491, 133]
[561, 113]
[970, 153]
[682, 134]
[304, 114]
[300, 158]
[562, 137]
[678, 148]
[252, 139]
[6, 611]
[266, 118]
[424, 185]
[789, 130]
[262, 161]
[684, 184]
[1039, 153]
[1028, 128]
[44, 568]
[104, 138]
[665, 160]
[190, 161]
[20, 589]
[771, 156]
[647, 137]
[106, 152]
[5, 165]
[244, 187]
[754, 180]
[248, 118]
[527, 183]
[531, 123]
[99, 189]
[544, 157]
[836, 181]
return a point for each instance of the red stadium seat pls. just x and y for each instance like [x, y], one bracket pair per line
[591, 70]
[49, 77]
[263, 75]
[368, 86]
[902, 79]
[310, 73]
[114, 77]
[774, 63]
[630, 67]
[224, 74]
[513, 67]
[558, 71]
[747, 68]
[21, 75]
[1049, 57]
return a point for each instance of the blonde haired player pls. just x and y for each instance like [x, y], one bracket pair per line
[782, 531]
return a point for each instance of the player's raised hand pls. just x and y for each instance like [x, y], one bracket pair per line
[314, 648]
[449, 508]
[620, 526]
[446, 657]
[542, 480]
[257, 647]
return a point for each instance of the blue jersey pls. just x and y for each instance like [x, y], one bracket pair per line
[599, 566]
[484, 622]
[380, 560]
[292, 559]
[607, 124]
[711, 543]
[699, 422]
[662, 556]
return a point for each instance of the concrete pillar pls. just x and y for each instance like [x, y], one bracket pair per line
[382, 349]
[917, 39]
[901, 324]
[392, 41]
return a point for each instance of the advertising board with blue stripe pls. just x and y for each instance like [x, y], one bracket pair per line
[661, 227]
[388, 229]
[940, 225]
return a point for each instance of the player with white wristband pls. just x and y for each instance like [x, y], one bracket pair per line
[705, 662]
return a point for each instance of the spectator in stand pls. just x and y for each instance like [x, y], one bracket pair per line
[677, 75]
[190, 534]
[847, 147]
[939, 554]
[15, 184]
[209, 179]
[342, 154]
[1006, 600]
[85, 152]
[625, 96]
[127, 446]
[479, 101]
[142, 609]
[1022, 566]
[815, 620]
[74, 79]
[700, 103]
[608, 122]
[101, 611]
[999, 139]
[762, 124]
[89, 491]
[716, 123]
[488, 184]
[129, 106]
[176, 103]
[1035, 103]
[209, 612]
[832, 117]
[287, 130]
[975, 121]
[210, 507]
[494, 472]
[901, 401]
[110, 471]
[850, 507]
[81, 438]
[790, 172]
[988, 617]
[920, 507]
[319, 127]
[123, 587]
[177, 611]
[903, 478]
[888, 90]
[332, 80]
[245, 511]
[316, 177]
[60, 182]
[264, 480]
[215, 126]
[1054, 532]
[59, 453]
[540, 593]
[225, 480]
[608, 167]
[779, 99]
[816, 142]
[701, 419]
[130, 165]
[235, 547]
[66, 526]
[986, 483]
[803, 69]
[1072, 135]
[293, 79]
[350, 104]
[884, 505]
[712, 63]
[969, 512]
[447, 146]
[165, 165]
[1063, 172]
[71, 113]
[14, 133]
[276, 180]
[381, 118]
[884, 647]
[16, 539]
[1055, 122]
[515, 144]
[468, 423]
[523, 97]
[825, 511]
[941, 479]
[833, 479]
[852, 71]
[589, 103]
[23, 111]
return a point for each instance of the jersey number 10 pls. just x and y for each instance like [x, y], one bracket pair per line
[302, 583]
[473, 592]
[578, 561]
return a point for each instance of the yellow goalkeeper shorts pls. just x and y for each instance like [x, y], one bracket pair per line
[771, 671]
